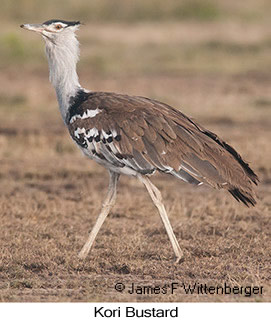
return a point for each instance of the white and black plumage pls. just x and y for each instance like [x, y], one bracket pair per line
[137, 136]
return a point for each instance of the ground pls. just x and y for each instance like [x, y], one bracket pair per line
[216, 72]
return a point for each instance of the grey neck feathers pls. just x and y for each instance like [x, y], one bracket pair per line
[62, 59]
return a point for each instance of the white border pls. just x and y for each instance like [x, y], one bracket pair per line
[84, 312]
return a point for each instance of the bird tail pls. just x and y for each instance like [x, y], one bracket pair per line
[239, 181]
[249, 172]
[247, 198]
[245, 195]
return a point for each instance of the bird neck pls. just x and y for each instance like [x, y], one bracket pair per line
[62, 59]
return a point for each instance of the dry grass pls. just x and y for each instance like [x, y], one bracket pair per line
[50, 195]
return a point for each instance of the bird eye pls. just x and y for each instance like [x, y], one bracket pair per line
[58, 26]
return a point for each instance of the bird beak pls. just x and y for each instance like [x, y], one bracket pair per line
[33, 27]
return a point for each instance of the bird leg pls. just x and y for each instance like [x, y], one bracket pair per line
[157, 200]
[106, 207]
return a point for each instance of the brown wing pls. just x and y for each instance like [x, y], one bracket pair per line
[148, 135]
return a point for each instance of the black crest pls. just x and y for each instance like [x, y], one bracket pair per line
[68, 23]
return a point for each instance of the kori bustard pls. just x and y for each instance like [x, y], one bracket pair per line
[137, 136]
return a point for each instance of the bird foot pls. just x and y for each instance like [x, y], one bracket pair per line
[83, 253]
[179, 260]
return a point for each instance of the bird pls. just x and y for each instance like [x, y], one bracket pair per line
[137, 136]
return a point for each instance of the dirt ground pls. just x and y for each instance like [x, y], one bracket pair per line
[50, 194]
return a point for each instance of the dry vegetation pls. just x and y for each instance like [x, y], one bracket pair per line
[215, 64]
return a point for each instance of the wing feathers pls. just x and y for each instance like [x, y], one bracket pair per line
[145, 135]
[186, 177]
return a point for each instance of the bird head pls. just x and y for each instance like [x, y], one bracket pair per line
[54, 31]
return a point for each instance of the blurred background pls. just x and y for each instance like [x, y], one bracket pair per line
[211, 59]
